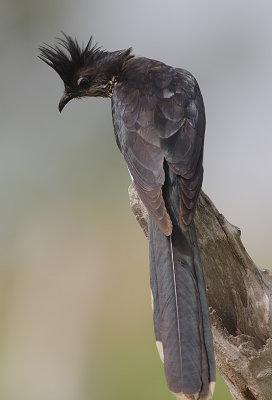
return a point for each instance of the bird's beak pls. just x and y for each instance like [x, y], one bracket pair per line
[64, 100]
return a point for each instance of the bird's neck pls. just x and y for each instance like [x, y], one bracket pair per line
[116, 63]
[111, 85]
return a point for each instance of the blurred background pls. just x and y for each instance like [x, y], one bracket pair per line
[75, 314]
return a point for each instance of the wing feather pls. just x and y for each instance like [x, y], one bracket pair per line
[159, 115]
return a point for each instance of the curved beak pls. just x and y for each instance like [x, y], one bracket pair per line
[64, 100]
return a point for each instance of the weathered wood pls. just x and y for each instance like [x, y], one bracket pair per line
[240, 300]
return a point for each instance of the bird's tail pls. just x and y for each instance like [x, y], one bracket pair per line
[181, 314]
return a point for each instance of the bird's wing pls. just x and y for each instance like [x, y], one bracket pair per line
[159, 115]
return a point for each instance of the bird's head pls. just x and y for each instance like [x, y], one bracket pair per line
[85, 71]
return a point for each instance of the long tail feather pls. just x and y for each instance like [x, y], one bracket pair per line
[181, 314]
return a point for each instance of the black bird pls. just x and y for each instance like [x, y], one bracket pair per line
[159, 124]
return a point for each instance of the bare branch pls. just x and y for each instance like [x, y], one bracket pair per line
[240, 299]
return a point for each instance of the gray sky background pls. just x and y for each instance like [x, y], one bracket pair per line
[66, 229]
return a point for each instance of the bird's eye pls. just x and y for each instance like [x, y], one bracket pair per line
[83, 83]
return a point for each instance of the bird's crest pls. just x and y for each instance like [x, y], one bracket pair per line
[67, 56]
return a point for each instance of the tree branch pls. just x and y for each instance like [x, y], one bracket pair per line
[240, 300]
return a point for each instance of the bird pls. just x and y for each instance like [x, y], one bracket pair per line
[159, 125]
